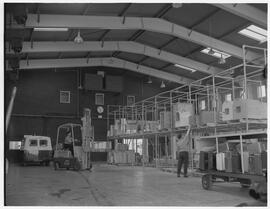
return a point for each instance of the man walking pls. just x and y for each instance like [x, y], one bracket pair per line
[182, 152]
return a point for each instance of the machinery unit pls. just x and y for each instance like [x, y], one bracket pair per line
[249, 108]
[227, 111]
[244, 108]
[182, 114]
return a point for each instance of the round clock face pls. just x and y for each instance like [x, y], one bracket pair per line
[100, 109]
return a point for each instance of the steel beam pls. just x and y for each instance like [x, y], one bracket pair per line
[123, 46]
[107, 62]
[133, 23]
[247, 12]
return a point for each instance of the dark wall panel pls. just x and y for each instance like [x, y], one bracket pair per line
[38, 92]
[38, 95]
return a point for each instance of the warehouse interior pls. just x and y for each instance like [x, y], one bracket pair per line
[100, 99]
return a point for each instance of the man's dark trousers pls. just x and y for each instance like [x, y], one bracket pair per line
[182, 158]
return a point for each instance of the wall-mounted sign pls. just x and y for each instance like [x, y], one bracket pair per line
[65, 97]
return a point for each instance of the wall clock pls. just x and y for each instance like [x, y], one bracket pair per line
[100, 109]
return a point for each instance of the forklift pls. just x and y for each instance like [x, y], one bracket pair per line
[77, 154]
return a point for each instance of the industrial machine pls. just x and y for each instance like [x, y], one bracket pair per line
[77, 154]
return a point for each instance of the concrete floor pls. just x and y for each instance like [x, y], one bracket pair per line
[109, 185]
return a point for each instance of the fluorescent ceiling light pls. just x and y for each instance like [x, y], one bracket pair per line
[51, 29]
[184, 67]
[215, 53]
[255, 33]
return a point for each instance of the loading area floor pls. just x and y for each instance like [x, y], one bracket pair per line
[109, 185]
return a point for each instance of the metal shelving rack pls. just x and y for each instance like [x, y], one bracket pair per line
[212, 89]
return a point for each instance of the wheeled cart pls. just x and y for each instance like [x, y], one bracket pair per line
[245, 180]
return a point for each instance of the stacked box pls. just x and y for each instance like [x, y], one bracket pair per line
[211, 161]
[121, 147]
[121, 157]
[255, 164]
[228, 161]
[182, 113]
[117, 128]
[254, 148]
[220, 161]
[130, 156]
[207, 117]
[165, 120]
[131, 128]
[108, 145]
[203, 163]
[264, 160]
[123, 123]
[140, 126]
[232, 162]
[223, 147]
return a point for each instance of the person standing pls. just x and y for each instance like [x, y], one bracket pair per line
[68, 144]
[182, 152]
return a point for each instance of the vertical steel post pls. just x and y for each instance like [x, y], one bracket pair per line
[245, 81]
[189, 93]
[242, 155]
[10, 106]
[233, 93]
[172, 126]
[156, 149]
[214, 101]
[208, 98]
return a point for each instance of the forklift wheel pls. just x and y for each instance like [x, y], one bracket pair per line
[77, 166]
[56, 165]
[207, 181]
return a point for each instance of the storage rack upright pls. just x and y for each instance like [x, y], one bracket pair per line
[235, 81]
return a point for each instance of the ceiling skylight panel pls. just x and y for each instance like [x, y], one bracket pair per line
[255, 33]
[215, 53]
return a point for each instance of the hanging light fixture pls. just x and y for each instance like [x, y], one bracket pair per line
[162, 85]
[211, 51]
[177, 5]
[149, 80]
[222, 60]
[78, 39]
[80, 87]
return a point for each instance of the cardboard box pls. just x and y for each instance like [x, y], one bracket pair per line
[206, 117]
[165, 120]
